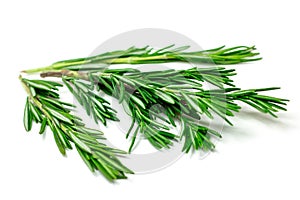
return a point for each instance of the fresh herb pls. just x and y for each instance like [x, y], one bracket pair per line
[43, 106]
[180, 96]
[147, 54]
[155, 100]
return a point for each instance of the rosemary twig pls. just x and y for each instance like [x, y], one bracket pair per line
[133, 55]
[155, 100]
[181, 96]
[43, 106]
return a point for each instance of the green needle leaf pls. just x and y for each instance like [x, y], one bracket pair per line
[122, 92]
[125, 80]
[191, 102]
[27, 116]
[78, 142]
[35, 112]
[85, 159]
[40, 85]
[138, 101]
[133, 139]
[165, 97]
[43, 126]
[56, 138]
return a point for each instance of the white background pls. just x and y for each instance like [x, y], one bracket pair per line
[258, 158]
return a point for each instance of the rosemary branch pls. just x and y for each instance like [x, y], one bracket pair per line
[43, 106]
[181, 96]
[133, 55]
[154, 100]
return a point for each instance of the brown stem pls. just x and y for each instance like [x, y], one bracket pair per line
[61, 73]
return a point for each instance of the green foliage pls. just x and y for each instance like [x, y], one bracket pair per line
[44, 107]
[95, 106]
[149, 55]
[155, 100]
[180, 95]
[133, 55]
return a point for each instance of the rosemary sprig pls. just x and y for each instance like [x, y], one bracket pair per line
[43, 106]
[134, 55]
[180, 96]
[180, 103]
[155, 100]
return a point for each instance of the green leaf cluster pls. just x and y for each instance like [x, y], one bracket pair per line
[43, 106]
[157, 101]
